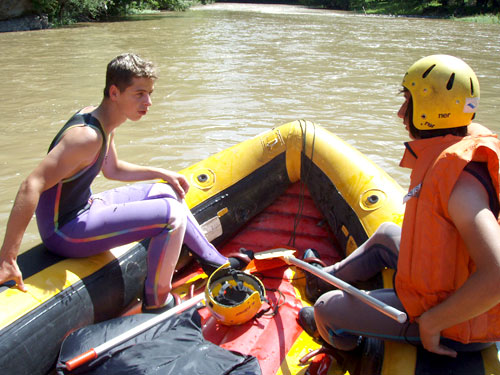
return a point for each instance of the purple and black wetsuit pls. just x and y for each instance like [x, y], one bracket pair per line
[73, 222]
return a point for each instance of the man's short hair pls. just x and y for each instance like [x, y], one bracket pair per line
[123, 68]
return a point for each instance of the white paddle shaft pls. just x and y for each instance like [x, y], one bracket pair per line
[148, 324]
[104, 347]
[348, 288]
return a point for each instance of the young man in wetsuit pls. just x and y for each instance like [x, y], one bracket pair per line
[75, 223]
[447, 253]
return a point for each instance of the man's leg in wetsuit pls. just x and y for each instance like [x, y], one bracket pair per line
[131, 213]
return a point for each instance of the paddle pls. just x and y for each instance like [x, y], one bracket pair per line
[98, 350]
[287, 256]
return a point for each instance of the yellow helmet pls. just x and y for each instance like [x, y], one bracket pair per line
[444, 90]
[233, 297]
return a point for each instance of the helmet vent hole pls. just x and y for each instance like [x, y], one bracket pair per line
[471, 88]
[426, 73]
[449, 85]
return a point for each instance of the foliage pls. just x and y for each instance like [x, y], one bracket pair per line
[174, 4]
[62, 12]
[77, 10]
[412, 7]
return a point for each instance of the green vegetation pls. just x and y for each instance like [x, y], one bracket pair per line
[482, 18]
[431, 8]
[63, 12]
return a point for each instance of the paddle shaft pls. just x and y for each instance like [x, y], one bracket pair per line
[95, 352]
[384, 308]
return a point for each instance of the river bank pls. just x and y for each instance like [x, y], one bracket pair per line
[26, 23]
[36, 22]
[380, 11]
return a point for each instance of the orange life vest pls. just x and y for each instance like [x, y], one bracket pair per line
[433, 260]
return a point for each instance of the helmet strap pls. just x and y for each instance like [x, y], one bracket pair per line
[231, 295]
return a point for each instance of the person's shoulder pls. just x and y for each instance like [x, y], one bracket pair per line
[83, 136]
[468, 193]
[87, 109]
[475, 129]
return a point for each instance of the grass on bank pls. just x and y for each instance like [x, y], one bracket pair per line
[64, 12]
[482, 18]
[466, 12]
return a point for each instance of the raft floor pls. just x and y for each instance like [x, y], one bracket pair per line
[292, 221]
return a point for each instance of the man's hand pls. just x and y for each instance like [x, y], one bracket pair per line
[177, 181]
[430, 338]
[9, 270]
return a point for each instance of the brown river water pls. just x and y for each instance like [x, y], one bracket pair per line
[227, 73]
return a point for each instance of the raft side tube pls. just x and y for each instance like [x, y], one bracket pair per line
[31, 348]
[372, 194]
[232, 208]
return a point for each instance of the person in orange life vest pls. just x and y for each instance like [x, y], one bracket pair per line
[447, 253]
[73, 222]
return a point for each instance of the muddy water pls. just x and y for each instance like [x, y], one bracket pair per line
[229, 72]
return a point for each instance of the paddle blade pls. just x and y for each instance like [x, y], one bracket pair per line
[274, 253]
[257, 265]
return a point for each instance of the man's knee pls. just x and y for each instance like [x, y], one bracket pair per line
[389, 235]
[162, 190]
[178, 215]
[388, 229]
[326, 307]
